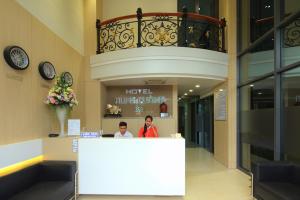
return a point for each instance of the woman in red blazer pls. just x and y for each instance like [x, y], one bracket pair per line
[149, 130]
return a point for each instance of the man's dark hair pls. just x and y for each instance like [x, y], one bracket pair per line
[122, 124]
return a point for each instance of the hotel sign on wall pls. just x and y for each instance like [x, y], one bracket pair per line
[136, 101]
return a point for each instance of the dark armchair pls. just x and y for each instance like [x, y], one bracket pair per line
[276, 181]
[49, 180]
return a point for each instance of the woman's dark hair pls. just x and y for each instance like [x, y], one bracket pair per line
[150, 117]
[145, 126]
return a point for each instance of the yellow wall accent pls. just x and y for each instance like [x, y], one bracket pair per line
[20, 165]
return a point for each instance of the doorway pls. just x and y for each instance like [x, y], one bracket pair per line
[196, 121]
[206, 129]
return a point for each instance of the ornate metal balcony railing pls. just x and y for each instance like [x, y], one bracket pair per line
[290, 33]
[161, 29]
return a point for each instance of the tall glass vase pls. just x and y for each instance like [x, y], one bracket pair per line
[61, 112]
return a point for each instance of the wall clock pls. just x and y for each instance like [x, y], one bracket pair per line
[16, 57]
[67, 78]
[47, 70]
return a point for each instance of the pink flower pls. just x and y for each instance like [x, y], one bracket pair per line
[61, 94]
[52, 100]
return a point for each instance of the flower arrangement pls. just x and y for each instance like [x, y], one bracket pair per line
[113, 109]
[61, 94]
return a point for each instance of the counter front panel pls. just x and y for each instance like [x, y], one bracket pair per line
[132, 166]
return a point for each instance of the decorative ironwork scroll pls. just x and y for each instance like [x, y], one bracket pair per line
[292, 34]
[116, 36]
[161, 29]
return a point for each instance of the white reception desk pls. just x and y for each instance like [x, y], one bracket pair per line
[109, 166]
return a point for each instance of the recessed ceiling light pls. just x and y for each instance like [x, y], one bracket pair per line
[185, 94]
[221, 90]
[259, 93]
[251, 85]
[197, 86]
[190, 90]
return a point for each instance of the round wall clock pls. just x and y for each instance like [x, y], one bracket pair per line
[67, 77]
[16, 57]
[47, 70]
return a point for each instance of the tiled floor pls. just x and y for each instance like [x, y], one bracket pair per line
[206, 179]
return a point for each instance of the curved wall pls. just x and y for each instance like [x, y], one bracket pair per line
[159, 62]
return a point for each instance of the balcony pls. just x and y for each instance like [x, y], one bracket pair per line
[180, 29]
[160, 45]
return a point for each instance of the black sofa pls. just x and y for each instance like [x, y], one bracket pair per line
[49, 180]
[276, 181]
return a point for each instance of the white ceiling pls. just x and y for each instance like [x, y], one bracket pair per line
[184, 84]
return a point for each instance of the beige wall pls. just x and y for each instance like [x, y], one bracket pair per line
[95, 91]
[166, 126]
[226, 131]
[59, 148]
[113, 8]
[99, 6]
[232, 83]
[63, 17]
[175, 107]
[92, 88]
[128, 109]
[221, 131]
[24, 115]
[223, 13]
[291, 6]
[116, 8]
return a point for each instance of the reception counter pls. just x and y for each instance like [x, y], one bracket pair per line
[137, 166]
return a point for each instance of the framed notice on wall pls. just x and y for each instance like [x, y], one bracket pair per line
[220, 105]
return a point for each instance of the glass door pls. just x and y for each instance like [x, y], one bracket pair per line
[206, 123]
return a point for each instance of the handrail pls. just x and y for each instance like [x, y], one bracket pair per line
[177, 14]
[109, 21]
[268, 19]
[161, 29]
[264, 20]
[207, 18]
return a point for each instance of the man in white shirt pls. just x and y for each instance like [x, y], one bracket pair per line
[123, 133]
